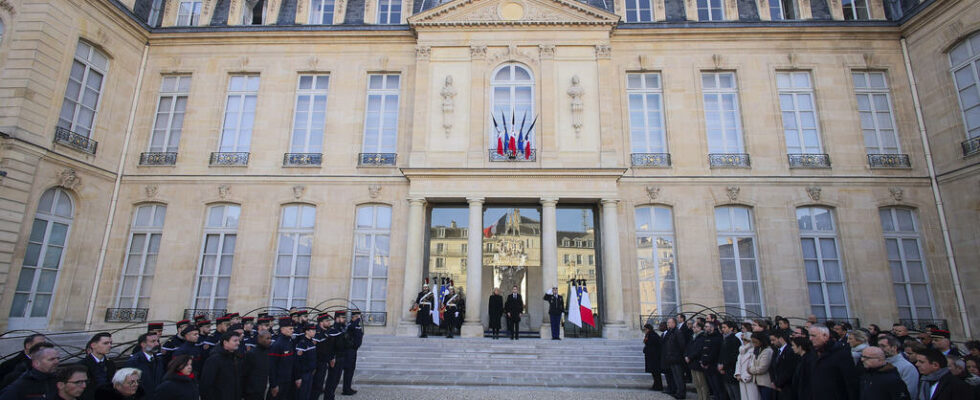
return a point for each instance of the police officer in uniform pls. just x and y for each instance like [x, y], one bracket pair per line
[306, 361]
[556, 306]
[452, 311]
[424, 314]
[189, 347]
[167, 348]
[343, 345]
[356, 332]
[282, 384]
[324, 353]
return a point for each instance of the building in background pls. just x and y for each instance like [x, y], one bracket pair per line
[771, 157]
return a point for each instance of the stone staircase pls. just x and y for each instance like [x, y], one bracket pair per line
[571, 363]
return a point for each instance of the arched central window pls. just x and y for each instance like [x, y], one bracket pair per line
[512, 99]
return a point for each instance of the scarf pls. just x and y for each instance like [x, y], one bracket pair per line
[926, 382]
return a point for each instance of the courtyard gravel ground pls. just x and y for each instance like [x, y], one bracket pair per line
[381, 392]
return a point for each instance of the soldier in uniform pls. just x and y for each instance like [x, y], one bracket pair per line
[248, 335]
[214, 339]
[203, 342]
[155, 327]
[188, 347]
[305, 362]
[356, 332]
[342, 346]
[282, 384]
[167, 349]
[556, 306]
[324, 353]
[453, 301]
[424, 314]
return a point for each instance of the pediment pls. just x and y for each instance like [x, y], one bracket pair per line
[513, 12]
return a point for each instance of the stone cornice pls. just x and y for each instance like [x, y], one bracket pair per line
[515, 173]
[576, 14]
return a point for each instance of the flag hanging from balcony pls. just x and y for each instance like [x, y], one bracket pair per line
[513, 139]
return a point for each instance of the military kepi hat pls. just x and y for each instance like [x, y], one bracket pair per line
[285, 322]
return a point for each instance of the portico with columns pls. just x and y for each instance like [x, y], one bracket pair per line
[543, 189]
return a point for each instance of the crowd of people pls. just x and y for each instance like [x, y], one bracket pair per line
[728, 360]
[242, 358]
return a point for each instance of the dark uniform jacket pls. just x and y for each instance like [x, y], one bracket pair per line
[651, 352]
[833, 375]
[32, 384]
[514, 305]
[282, 361]
[556, 304]
[176, 387]
[168, 348]
[222, 376]
[674, 345]
[99, 373]
[883, 383]
[357, 333]
[495, 307]
[343, 345]
[423, 315]
[324, 345]
[256, 371]
[305, 356]
[152, 370]
[194, 352]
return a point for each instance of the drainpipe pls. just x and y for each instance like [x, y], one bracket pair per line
[115, 192]
[935, 193]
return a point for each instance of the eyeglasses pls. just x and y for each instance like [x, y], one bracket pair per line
[134, 382]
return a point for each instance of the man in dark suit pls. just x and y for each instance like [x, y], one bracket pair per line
[100, 367]
[514, 307]
[146, 360]
[674, 344]
[784, 362]
[556, 306]
[21, 358]
[936, 382]
[728, 358]
[38, 381]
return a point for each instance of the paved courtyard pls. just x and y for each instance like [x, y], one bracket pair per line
[365, 392]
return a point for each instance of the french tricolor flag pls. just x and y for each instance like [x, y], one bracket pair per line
[585, 306]
[574, 310]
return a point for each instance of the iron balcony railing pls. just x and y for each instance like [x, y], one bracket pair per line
[513, 156]
[376, 159]
[900, 161]
[126, 314]
[71, 139]
[650, 160]
[921, 325]
[971, 146]
[210, 313]
[728, 160]
[809, 160]
[229, 159]
[158, 158]
[302, 159]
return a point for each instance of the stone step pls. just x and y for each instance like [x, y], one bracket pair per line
[382, 356]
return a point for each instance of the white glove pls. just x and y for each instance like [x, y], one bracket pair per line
[549, 291]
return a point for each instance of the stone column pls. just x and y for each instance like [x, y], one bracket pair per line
[549, 257]
[472, 327]
[612, 274]
[412, 283]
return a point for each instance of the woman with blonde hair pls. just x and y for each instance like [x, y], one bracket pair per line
[858, 340]
[746, 385]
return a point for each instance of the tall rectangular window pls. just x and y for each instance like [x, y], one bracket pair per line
[217, 255]
[739, 269]
[156, 8]
[909, 276]
[310, 115]
[855, 9]
[84, 90]
[236, 131]
[295, 249]
[189, 13]
[799, 112]
[721, 112]
[141, 258]
[875, 109]
[639, 11]
[711, 10]
[171, 107]
[381, 117]
[656, 260]
[964, 61]
[389, 12]
[646, 110]
[321, 12]
[821, 260]
[782, 10]
[369, 280]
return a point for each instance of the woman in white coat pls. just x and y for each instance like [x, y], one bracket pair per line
[746, 385]
[760, 365]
